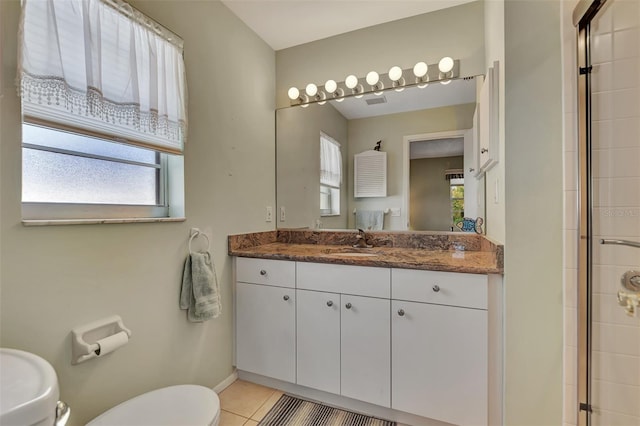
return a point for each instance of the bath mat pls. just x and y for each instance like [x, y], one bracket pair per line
[292, 411]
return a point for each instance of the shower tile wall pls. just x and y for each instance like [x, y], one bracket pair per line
[616, 158]
[616, 193]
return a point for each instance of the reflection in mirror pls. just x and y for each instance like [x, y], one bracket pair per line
[428, 137]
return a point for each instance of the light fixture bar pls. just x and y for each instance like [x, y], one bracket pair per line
[339, 90]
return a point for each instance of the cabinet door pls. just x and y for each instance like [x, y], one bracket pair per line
[365, 349]
[318, 348]
[440, 362]
[266, 331]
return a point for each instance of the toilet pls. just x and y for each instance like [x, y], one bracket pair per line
[29, 391]
[181, 405]
[29, 397]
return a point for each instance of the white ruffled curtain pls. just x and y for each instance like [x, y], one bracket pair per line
[102, 66]
[330, 162]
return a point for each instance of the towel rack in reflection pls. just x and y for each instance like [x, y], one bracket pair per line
[385, 211]
[195, 232]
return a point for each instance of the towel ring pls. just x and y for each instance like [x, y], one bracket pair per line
[196, 233]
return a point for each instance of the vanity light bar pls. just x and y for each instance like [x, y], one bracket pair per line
[396, 79]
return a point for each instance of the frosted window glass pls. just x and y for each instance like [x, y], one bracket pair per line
[43, 136]
[49, 177]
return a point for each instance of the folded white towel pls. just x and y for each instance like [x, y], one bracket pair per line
[369, 220]
[200, 293]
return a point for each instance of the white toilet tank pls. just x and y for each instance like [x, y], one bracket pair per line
[181, 405]
[28, 389]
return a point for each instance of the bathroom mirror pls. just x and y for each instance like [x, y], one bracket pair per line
[428, 137]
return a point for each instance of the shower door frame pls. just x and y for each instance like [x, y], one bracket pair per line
[583, 14]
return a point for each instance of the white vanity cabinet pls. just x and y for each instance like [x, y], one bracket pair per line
[440, 345]
[266, 318]
[365, 349]
[351, 351]
[421, 343]
[318, 340]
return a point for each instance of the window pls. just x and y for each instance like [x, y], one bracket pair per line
[104, 115]
[456, 187]
[330, 176]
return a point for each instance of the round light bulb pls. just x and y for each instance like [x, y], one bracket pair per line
[445, 65]
[373, 78]
[395, 73]
[293, 93]
[351, 81]
[330, 86]
[311, 89]
[420, 69]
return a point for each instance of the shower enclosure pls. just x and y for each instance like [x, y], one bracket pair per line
[609, 212]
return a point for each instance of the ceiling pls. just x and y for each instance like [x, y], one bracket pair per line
[287, 23]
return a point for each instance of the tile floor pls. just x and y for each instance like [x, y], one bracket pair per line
[245, 403]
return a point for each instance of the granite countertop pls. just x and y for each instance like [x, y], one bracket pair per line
[428, 251]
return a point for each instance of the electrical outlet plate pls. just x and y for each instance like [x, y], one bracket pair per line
[269, 214]
[283, 215]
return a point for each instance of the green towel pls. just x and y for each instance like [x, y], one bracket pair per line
[200, 293]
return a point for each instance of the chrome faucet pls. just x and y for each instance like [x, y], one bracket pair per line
[361, 240]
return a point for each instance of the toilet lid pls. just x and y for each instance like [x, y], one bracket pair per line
[182, 405]
[28, 389]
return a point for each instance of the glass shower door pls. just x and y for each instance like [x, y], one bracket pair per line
[614, 215]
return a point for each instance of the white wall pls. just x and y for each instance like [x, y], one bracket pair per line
[569, 61]
[534, 216]
[57, 277]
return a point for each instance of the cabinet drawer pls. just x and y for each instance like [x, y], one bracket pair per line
[346, 279]
[444, 288]
[280, 273]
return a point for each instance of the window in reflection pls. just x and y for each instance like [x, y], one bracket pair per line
[330, 175]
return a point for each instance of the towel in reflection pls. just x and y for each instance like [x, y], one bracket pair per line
[200, 293]
[369, 220]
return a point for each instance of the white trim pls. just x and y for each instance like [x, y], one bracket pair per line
[406, 161]
[226, 382]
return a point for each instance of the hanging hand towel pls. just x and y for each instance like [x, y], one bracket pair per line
[200, 292]
[369, 220]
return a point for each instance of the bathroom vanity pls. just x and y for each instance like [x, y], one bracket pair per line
[412, 325]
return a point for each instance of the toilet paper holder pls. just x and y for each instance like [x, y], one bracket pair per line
[98, 338]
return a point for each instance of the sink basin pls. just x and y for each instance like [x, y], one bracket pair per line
[354, 254]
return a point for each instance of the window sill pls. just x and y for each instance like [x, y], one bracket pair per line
[45, 222]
